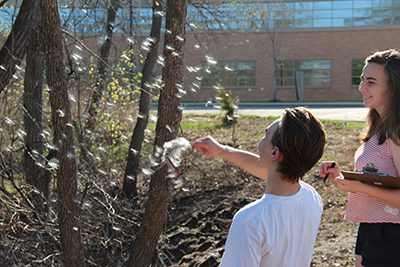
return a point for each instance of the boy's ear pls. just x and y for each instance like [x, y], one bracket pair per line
[276, 153]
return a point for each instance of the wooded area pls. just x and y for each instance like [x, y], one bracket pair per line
[59, 134]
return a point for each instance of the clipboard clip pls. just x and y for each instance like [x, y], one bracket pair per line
[370, 168]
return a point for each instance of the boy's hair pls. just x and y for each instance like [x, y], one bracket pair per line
[300, 138]
[386, 125]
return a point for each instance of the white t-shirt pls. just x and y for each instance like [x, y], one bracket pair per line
[275, 231]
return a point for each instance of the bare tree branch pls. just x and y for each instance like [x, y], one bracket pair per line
[2, 3]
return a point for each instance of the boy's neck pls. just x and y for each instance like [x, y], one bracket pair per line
[280, 187]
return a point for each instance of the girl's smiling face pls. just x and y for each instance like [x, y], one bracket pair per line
[374, 87]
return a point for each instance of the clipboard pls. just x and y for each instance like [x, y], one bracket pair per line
[383, 181]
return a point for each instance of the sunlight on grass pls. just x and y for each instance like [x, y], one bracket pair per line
[195, 122]
[345, 124]
[199, 125]
[248, 116]
[193, 125]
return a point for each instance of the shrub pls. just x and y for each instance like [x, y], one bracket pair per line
[228, 105]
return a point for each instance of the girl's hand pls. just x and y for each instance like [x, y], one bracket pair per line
[352, 186]
[336, 177]
[330, 170]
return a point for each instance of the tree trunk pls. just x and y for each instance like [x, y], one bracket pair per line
[70, 230]
[169, 116]
[34, 143]
[135, 147]
[101, 83]
[14, 49]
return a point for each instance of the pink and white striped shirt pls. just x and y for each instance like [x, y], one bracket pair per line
[362, 208]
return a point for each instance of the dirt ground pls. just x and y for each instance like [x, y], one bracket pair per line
[204, 199]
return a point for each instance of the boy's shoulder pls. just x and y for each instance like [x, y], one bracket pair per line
[311, 192]
[251, 210]
[305, 196]
[308, 187]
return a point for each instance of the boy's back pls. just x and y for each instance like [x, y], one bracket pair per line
[275, 231]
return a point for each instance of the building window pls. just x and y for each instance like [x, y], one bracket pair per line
[229, 74]
[317, 73]
[356, 71]
[87, 19]
[298, 14]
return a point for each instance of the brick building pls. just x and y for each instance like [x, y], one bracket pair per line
[325, 40]
[254, 48]
[335, 54]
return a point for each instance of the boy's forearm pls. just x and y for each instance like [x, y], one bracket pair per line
[245, 160]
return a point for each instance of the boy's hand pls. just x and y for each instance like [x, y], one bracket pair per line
[208, 146]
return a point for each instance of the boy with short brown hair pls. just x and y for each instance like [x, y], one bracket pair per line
[279, 229]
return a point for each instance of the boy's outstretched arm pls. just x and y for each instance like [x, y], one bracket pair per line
[243, 159]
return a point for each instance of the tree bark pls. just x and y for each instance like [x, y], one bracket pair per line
[14, 49]
[135, 147]
[34, 143]
[169, 116]
[70, 230]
